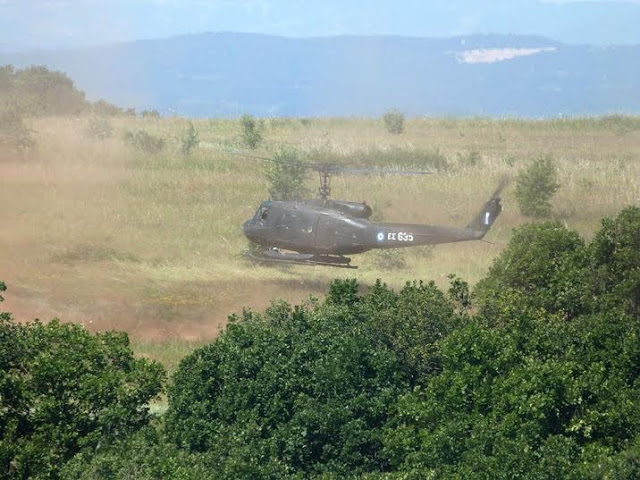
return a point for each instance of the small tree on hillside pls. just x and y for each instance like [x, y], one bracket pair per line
[99, 127]
[535, 186]
[13, 132]
[150, 114]
[189, 140]
[286, 176]
[394, 122]
[63, 390]
[250, 131]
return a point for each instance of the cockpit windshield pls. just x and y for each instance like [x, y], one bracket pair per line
[262, 213]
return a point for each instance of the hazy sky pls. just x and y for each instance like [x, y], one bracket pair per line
[26, 24]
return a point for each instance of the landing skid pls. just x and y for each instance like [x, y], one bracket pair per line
[278, 256]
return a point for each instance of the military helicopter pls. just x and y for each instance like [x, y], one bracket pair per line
[322, 231]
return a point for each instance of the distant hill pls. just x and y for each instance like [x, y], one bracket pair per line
[228, 74]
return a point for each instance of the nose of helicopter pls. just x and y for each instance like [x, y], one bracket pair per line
[248, 229]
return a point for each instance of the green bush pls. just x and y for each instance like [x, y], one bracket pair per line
[99, 127]
[286, 175]
[150, 114]
[544, 266]
[250, 131]
[549, 268]
[63, 389]
[394, 122]
[3, 315]
[38, 91]
[189, 140]
[616, 261]
[144, 455]
[102, 108]
[13, 132]
[307, 388]
[535, 186]
[145, 141]
[529, 400]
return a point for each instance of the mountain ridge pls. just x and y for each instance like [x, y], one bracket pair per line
[230, 73]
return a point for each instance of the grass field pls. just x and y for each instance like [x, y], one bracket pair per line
[97, 232]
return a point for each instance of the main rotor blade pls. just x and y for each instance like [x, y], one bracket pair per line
[332, 167]
[269, 159]
[380, 171]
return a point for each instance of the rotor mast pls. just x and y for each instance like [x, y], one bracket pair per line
[325, 182]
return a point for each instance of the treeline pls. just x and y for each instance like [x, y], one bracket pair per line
[38, 91]
[535, 374]
[35, 92]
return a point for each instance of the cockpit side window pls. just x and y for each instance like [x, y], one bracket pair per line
[261, 213]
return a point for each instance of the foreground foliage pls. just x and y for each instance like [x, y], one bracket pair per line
[541, 381]
[307, 389]
[535, 186]
[63, 389]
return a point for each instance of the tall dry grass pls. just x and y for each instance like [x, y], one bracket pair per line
[95, 231]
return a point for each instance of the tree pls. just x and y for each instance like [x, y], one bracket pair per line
[13, 131]
[535, 186]
[250, 134]
[189, 140]
[286, 175]
[63, 389]
[99, 128]
[306, 390]
[544, 266]
[44, 92]
[145, 141]
[394, 122]
[536, 398]
[150, 114]
[3, 315]
[616, 261]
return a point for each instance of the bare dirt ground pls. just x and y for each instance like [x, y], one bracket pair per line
[191, 312]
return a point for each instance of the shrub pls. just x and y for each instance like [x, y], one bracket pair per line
[535, 186]
[144, 455]
[535, 399]
[306, 390]
[64, 390]
[39, 91]
[286, 175]
[144, 141]
[411, 323]
[616, 261]
[99, 127]
[150, 114]
[13, 131]
[3, 315]
[103, 108]
[544, 267]
[394, 122]
[250, 134]
[189, 140]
